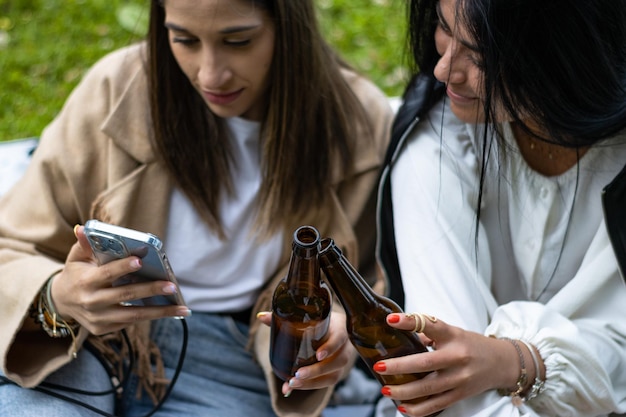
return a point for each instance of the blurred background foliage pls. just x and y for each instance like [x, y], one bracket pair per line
[47, 45]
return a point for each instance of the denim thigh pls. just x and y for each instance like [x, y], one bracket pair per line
[85, 373]
[219, 376]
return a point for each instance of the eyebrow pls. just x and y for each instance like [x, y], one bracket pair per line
[226, 31]
[446, 26]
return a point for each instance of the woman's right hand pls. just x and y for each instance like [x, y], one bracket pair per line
[463, 364]
[84, 291]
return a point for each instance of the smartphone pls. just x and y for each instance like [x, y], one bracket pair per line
[109, 242]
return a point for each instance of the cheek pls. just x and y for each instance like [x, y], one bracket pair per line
[475, 80]
[441, 41]
[262, 62]
[184, 61]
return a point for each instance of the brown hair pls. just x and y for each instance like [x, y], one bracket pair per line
[311, 115]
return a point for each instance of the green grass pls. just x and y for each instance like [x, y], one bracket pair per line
[47, 45]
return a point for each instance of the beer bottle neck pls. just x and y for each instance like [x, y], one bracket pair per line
[351, 289]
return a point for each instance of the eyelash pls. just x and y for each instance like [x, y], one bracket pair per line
[237, 44]
[444, 27]
[191, 41]
[184, 41]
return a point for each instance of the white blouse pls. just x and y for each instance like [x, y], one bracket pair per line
[544, 270]
[216, 275]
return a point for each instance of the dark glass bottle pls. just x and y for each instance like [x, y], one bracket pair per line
[301, 307]
[366, 313]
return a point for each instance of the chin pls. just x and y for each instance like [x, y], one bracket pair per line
[469, 114]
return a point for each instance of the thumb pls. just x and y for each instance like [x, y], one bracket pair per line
[265, 317]
[81, 251]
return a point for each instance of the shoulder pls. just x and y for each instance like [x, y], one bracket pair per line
[376, 106]
[115, 70]
[117, 79]
[369, 94]
[109, 101]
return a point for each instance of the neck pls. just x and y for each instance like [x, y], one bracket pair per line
[546, 158]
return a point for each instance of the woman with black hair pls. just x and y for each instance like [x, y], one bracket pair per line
[232, 125]
[502, 208]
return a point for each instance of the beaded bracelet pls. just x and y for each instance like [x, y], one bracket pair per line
[516, 396]
[50, 321]
[538, 383]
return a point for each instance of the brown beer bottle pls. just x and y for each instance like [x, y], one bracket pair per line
[301, 307]
[366, 312]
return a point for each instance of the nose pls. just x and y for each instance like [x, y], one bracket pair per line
[213, 71]
[449, 69]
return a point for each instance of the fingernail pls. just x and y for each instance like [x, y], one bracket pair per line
[321, 355]
[393, 318]
[294, 383]
[262, 314]
[169, 289]
[76, 230]
[300, 375]
[183, 311]
[380, 367]
[402, 409]
[135, 263]
[288, 393]
[386, 391]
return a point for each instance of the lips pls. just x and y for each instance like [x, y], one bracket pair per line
[222, 98]
[459, 98]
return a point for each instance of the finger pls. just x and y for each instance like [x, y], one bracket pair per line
[118, 317]
[427, 406]
[130, 292]
[81, 251]
[324, 373]
[416, 322]
[264, 317]
[418, 363]
[337, 337]
[299, 383]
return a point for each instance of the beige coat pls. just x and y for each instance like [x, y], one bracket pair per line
[95, 161]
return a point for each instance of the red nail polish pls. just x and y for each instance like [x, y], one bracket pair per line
[380, 367]
[402, 409]
[393, 318]
[386, 391]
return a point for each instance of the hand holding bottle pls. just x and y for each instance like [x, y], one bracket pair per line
[463, 364]
[332, 357]
[301, 306]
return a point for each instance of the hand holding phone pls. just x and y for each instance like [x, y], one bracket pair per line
[109, 242]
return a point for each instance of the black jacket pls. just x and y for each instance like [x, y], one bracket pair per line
[423, 92]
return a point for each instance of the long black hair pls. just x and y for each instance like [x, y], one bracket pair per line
[561, 63]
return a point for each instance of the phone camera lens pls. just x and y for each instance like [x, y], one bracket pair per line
[115, 247]
[99, 243]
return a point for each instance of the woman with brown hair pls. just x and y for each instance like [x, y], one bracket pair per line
[231, 126]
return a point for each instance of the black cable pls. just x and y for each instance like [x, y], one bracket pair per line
[121, 385]
[46, 387]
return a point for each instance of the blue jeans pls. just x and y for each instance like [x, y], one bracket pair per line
[219, 377]
[85, 373]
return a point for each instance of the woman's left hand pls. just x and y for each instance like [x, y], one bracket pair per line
[333, 357]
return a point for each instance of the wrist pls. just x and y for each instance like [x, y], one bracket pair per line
[529, 372]
[45, 314]
[51, 303]
[522, 379]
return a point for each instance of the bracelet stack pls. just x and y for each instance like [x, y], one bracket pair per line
[51, 322]
[538, 383]
[517, 396]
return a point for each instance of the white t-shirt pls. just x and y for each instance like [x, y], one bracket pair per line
[224, 276]
[526, 229]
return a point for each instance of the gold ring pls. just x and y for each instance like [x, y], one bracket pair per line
[420, 321]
